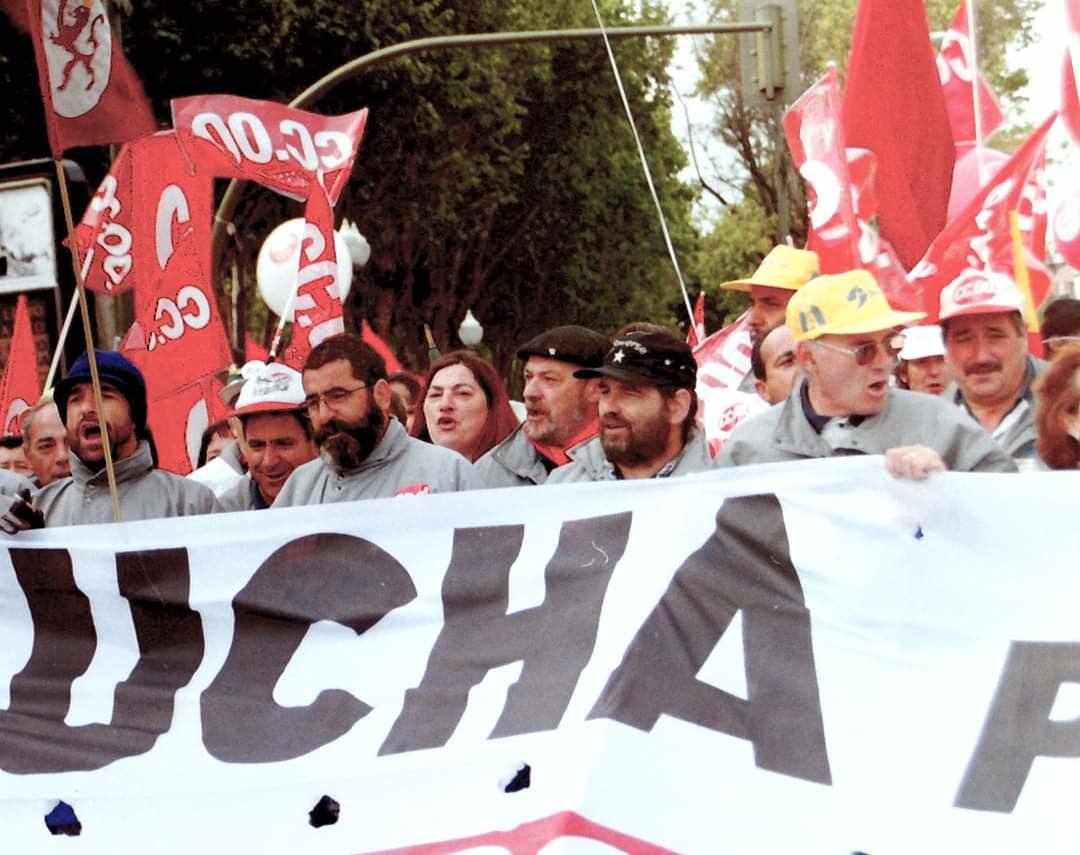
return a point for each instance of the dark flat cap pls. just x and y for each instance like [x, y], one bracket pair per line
[573, 344]
[647, 359]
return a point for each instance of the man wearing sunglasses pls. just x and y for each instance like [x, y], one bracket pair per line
[847, 339]
[363, 453]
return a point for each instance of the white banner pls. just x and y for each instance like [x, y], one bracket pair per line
[788, 658]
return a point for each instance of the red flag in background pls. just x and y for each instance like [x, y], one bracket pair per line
[17, 14]
[842, 197]
[894, 106]
[958, 85]
[92, 95]
[1070, 76]
[253, 351]
[21, 386]
[317, 312]
[980, 237]
[696, 334]
[284, 148]
[381, 347]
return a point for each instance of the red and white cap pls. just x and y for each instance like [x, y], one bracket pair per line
[269, 389]
[980, 292]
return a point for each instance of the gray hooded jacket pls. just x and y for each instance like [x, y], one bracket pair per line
[591, 464]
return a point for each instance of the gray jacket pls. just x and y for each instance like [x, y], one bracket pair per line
[1018, 438]
[242, 496]
[515, 462]
[10, 483]
[398, 463]
[145, 493]
[591, 464]
[783, 433]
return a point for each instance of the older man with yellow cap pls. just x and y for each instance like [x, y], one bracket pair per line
[847, 340]
[783, 272]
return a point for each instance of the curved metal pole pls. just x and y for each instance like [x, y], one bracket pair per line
[223, 216]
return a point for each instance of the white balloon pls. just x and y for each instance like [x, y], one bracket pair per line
[279, 262]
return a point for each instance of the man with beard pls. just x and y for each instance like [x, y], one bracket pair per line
[276, 433]
[986, 343]
[847, 339]
[363, 454]
[560, 408]
[647, 405]
[144, 492]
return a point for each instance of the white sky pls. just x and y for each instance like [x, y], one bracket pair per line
[1043, 61]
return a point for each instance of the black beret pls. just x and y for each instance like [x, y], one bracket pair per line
[573, 344]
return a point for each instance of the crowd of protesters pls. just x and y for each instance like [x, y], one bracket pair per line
[841, 370]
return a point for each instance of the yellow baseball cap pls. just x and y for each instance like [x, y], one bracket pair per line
[843, 304]
[783, 267]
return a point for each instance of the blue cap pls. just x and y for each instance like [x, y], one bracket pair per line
[118, 372]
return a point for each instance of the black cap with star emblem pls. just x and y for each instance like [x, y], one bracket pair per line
[576, 345]
[648, 359]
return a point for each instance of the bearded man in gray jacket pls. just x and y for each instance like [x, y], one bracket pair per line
[647, 406]
[363, 452]
[144, 492]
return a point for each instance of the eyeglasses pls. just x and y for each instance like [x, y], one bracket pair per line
[333, 398]
[864, 354]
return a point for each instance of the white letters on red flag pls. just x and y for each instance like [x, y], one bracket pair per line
[954, 69]
[281, 147]
[317, 312]
[91, 93]
[1070, 79]
[723, 363]
[841, 189]
[105, 234]
[980, 238]
[22, 384]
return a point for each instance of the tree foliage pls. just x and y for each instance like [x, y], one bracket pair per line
[504, 180]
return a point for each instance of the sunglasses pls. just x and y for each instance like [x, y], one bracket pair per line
[864, 354]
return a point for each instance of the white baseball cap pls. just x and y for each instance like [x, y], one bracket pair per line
[922, 342]
[269, 388]
[980, 292]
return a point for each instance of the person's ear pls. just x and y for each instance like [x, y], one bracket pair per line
[678, 406]
[383, 394]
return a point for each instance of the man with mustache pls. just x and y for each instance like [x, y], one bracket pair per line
[986, 344]
[276, 433]
[144, 492]
[647, 406]
[363, 454]
[847, 338]
[560, 408]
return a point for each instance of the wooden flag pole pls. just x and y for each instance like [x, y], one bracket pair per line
[88, 332]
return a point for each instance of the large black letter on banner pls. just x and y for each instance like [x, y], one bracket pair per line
[553, 640]
[334, 577]
[1018, 727]
[156, 584]
[745, 565]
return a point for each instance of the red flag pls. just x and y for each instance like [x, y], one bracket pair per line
[957, 84]
[696, 334]
[17, 13]
[286, 149]
[1070, 77]
[21, 386]
[317, 312]
[894, 106]
[91, 93]
[980, 237]
[253, 351]
[842, 198]
[381, 347]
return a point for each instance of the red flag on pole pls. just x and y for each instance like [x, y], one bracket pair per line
[696, 334]
[894, 106]
[1070, 77]
[92, 95]
[253, 350]
[317, 312]
[958, 85]
[21, 386]
[980, 238]
[278, 146]
[381, 347]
